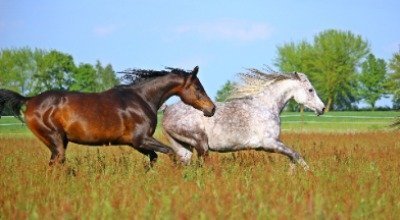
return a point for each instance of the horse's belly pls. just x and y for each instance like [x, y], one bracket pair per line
[97, 139]
[223, 138]
[94, 135]
[233, 143]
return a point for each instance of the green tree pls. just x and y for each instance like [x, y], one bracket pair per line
[338, 55]
[84, 78]
[224, 93]
[394, 79]
[331, 64]
[16, 66]
[106, 77]
[30, 72]
[372, 80]
[295, 57]
[54, 71]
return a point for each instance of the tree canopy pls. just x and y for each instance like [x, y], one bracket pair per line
[31, 72]
[54, 70]
[331, 63]
[224, 93]
[372, 80]
[394, 79]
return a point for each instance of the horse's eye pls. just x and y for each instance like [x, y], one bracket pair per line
[310, 90]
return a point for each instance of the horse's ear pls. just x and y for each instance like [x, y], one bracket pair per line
[195, 70]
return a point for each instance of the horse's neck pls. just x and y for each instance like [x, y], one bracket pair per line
[276, 95]
[158, 90]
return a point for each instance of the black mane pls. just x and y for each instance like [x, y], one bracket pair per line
[138, 76]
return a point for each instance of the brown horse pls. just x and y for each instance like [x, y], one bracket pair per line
[123, 115]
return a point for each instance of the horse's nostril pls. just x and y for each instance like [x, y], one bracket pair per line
[209, 112]
[323, 109]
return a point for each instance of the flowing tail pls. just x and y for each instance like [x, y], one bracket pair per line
[12, 101]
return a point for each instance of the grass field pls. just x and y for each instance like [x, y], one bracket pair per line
[355, 175]
[338, 121]
[291, 121]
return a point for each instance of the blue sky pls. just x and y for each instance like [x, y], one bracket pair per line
[222, 37]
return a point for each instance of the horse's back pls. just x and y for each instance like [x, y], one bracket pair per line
[181, 118]
[62, 102]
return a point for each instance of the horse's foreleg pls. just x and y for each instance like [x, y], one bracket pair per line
[295, 157]
[151, 154]
[149, 143]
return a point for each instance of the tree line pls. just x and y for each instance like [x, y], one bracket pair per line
[338, 63]
[32, 71]
[341, 67]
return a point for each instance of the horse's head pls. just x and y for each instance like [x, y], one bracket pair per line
[192, 93]
[306, 95]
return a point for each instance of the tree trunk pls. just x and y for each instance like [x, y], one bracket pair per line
[329, 104]
[302, 114]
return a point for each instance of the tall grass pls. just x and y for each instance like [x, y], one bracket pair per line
[355, 176]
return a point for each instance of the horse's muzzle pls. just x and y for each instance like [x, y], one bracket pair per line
[209, 112]
[320, 112]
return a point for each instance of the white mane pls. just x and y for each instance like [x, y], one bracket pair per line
[255, 81]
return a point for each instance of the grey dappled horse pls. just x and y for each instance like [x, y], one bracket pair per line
[250, 120]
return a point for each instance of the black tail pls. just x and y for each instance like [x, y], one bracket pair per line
[11, 101]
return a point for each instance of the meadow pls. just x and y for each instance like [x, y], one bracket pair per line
[291, 121]
[354, 161]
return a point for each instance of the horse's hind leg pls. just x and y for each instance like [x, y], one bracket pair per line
[58, 145]
[55, 141]
[278, 147]
[201, 145]
[180, 148]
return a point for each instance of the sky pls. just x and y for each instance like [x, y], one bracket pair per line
[222, 37]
